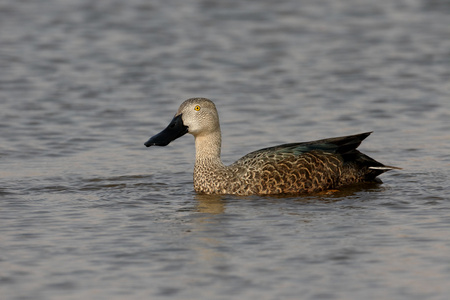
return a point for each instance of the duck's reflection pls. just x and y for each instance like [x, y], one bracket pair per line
[214, 224]
[209, 226]
[210, 204]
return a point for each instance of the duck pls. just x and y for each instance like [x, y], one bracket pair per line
[295, 168]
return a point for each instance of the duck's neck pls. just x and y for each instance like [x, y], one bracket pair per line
[207, 149]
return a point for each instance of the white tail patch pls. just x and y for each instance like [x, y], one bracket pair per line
[385, 168]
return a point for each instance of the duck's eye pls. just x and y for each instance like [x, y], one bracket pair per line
[197, 107]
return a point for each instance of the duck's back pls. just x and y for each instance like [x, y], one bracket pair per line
[305, 167]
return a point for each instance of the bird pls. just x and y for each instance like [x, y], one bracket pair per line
[295, 168]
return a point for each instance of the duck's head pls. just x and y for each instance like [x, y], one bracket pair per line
[197, 116]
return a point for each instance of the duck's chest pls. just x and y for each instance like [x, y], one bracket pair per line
[218, 180]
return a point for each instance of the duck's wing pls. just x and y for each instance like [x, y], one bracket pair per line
[337, 145]
[309, 166]
[343, 148]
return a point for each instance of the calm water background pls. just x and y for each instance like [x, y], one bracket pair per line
[87, 212]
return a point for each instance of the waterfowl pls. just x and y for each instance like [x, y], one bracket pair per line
[296, 168]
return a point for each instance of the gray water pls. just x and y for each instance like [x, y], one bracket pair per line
[87, 212]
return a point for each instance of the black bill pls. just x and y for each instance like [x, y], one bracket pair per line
[175, 130]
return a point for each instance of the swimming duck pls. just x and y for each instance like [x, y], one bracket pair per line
[297, 168]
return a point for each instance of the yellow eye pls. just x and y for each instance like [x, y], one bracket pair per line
[197, 107]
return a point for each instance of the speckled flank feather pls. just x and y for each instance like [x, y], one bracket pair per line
[298, 168]
[290, 169]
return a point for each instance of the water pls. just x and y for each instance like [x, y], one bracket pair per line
[87, 212]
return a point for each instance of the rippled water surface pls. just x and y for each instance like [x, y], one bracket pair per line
[87, 212]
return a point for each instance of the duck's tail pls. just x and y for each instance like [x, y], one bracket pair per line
[385, 168]
[374, 168]
[347, 148]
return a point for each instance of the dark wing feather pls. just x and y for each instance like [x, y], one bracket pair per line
[338, 145]
[344, 147]
[332, 162]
